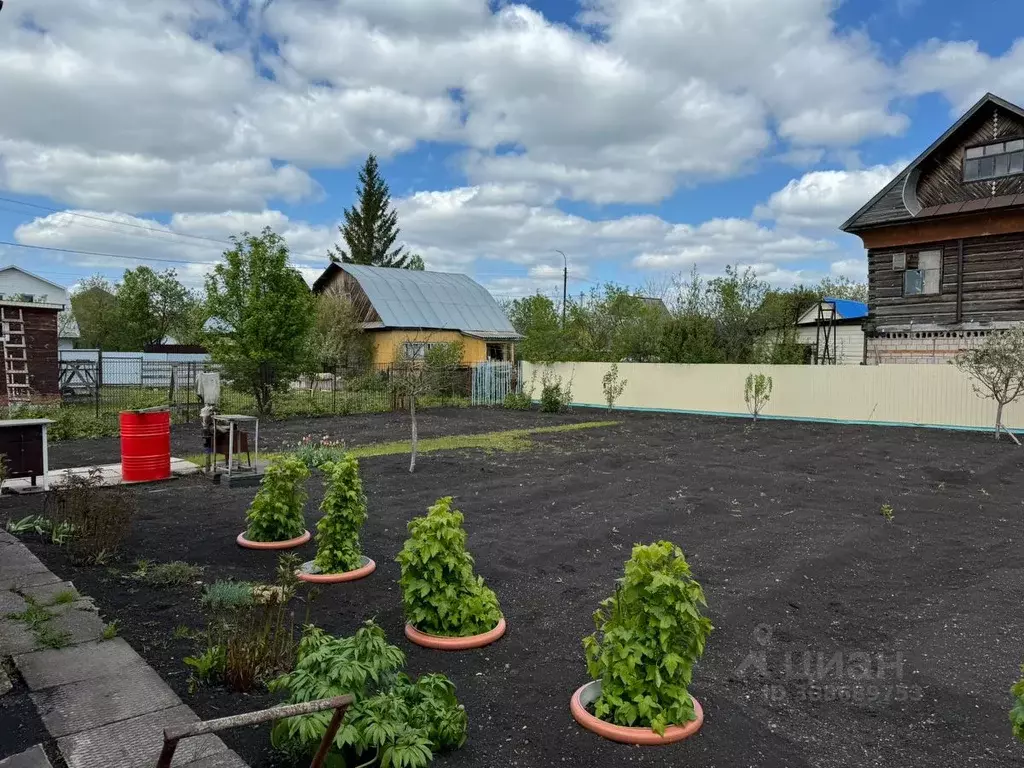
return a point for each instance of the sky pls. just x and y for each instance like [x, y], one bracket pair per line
[639, 137]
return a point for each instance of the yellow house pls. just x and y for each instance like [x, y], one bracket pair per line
[407, 310]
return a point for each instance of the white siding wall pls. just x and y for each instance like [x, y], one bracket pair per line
[848, 339]
[13, 281]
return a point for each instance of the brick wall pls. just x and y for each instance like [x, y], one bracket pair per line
[921, 346]
[40, 351]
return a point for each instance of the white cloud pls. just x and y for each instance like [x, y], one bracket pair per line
[713, 244]
[825, 199]
[190, 243]
[963, 73]
[139, 183]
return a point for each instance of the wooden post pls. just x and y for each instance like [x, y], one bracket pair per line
[339, 704]
[960, 281]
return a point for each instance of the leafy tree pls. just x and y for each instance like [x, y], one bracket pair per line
[690, 339]
[441, 594]
[1017, 713]
[997, 367]
[842, 288]
[150, 305]
[536, 318]
[261, 310]
[757, 392]
[371, 225]
[94, 305]
[416, 262]
[415, 376]
[336, 338]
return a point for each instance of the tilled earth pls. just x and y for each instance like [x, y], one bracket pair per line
[840, 639]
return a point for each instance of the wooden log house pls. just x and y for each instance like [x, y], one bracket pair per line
[945, 241]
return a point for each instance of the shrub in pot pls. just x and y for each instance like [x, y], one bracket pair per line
[649, 636]
[394, 721]
[1017, 713]
[441, 594]
[276, 513]
[344, 512]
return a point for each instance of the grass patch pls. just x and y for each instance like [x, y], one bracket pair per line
[64, 597]
[48, 637]
[175, 574]
[109, 631]
[512, 440]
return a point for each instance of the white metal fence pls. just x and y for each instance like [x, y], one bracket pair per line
[926, 395]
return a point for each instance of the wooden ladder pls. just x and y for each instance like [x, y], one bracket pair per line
[15, 354]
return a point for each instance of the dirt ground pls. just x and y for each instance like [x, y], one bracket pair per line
[911, 631]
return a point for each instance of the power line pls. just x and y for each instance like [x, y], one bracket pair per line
[112, 221]
[97, 253]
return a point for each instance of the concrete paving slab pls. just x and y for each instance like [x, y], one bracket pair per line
[6, 686]
[20, 578]
[110, 474]
[136, 743]
[82, 604]
[7, 538]
[226, 759]
[11, 602]
[31, 758]
[46, 593]
[90, 704]
[47, 668]
[82, 626]
[15, 638]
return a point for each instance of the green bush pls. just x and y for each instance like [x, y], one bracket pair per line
[1017, 713]
[276, 513]
[250, 631]
[393, 722]
[344, 512]
[223, 595]
[317, 451]
[441, 594]
[649, 636]
[555, 396]
[518, 401]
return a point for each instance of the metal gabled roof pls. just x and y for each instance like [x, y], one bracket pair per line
[407, 298]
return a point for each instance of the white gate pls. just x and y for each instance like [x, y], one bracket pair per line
[493, 381]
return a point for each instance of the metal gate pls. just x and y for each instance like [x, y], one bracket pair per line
[493, 381]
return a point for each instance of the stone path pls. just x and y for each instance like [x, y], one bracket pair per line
[98, 698]
[110, 474]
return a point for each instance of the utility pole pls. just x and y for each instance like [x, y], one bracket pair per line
[565, 283]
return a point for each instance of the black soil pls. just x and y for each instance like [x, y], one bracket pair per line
[781, 525]
[22, 727]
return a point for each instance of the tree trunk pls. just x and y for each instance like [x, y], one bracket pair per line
[415, 436]
[999, 418]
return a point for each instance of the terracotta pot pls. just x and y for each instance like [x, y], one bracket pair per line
[454, 643]
[298, 541]
[307, 573]
[587, 694]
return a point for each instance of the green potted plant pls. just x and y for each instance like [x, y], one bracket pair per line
[338, 556]
[447, 606]
[276, 516]
[655, 621]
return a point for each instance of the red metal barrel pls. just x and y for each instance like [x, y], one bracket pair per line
[145, 445]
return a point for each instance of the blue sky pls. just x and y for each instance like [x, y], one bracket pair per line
[640, 137]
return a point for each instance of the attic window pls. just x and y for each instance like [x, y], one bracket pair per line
[994, 161]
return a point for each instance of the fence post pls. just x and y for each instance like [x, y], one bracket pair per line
[334, 391]
[99, 378]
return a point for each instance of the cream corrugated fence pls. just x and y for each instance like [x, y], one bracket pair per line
[932, 395]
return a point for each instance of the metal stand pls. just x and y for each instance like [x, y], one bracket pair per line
[233, 423]
[825, 354]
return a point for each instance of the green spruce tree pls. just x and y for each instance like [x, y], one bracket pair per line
[371, 225]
